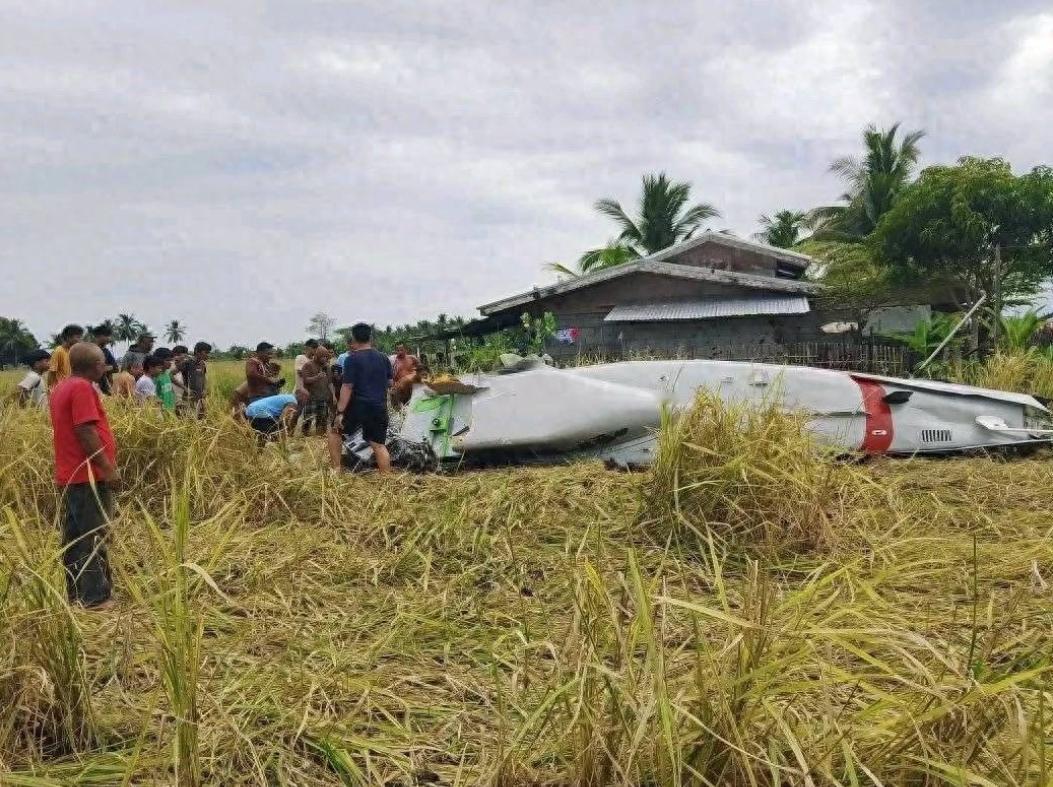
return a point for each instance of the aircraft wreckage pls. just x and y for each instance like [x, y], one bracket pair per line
[532, 412]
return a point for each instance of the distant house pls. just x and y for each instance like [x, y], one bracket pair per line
[703, 297]
[695, 297]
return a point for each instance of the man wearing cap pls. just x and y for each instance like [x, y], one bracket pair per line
[258, 376]
[32, 390]
[86, 474]
[138, 350]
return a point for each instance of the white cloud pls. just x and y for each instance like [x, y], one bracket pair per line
[1026, 77]
[241, 166]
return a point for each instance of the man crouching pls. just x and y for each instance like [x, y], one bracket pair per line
[272, 416]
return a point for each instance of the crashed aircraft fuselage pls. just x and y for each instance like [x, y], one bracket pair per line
[612, 411]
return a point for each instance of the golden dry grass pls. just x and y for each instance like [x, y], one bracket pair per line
[565, 625]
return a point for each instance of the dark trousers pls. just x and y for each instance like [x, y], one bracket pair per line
[86, 512]
[315, 416]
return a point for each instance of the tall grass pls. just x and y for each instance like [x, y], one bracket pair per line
[178, 628]
[747, 614]
[46, 702]
[1028, 371]
[749, 476]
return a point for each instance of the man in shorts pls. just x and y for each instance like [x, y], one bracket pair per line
[363, 402]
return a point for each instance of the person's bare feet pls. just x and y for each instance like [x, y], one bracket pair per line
[103, 606]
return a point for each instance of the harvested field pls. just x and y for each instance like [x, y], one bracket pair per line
[739, 616]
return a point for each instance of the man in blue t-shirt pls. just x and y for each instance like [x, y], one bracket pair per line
[271, 414]
[363, 401]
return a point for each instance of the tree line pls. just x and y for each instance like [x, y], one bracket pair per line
[950, 235]
[16, 339]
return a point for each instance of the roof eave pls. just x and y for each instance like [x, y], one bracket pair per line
[568, 285]
[796, 258]
[661, 268]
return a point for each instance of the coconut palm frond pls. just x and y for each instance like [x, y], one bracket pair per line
[562, 270]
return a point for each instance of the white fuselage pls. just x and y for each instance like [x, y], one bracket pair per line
[613, 410]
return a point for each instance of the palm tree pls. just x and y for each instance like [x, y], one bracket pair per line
[175, 331]
[105, 325]
[614, 253]
[127, 328]
[875, 182]
[15, 339]
[1018, 331]
[782, 229]
[664, 218]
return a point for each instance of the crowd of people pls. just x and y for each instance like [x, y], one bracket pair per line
[337, 395]
[342, 396]
[171, 378]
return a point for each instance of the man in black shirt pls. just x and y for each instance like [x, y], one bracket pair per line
[194, 370]
[102, 335]
[363, 402]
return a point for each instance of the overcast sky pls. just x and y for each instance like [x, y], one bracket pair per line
[242, 165]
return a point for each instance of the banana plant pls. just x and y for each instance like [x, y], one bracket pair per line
[928, 334]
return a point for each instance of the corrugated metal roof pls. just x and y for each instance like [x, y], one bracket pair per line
[708, 308]
[647, 265]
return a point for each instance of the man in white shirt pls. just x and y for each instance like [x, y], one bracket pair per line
[145, 387]
[309, 347]
[33, 390]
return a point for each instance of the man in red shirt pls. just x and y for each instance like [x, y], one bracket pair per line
[86, 473]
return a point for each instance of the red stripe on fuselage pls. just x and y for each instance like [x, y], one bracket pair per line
[877, 437]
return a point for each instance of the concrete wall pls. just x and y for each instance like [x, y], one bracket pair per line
[896, 319]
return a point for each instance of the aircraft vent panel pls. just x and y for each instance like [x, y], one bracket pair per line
[936, 435]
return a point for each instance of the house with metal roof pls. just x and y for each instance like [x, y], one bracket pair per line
[697, 297]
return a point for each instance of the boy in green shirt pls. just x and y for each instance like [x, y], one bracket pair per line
[163, 381]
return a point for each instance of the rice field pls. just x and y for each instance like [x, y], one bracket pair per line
[748, 613]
